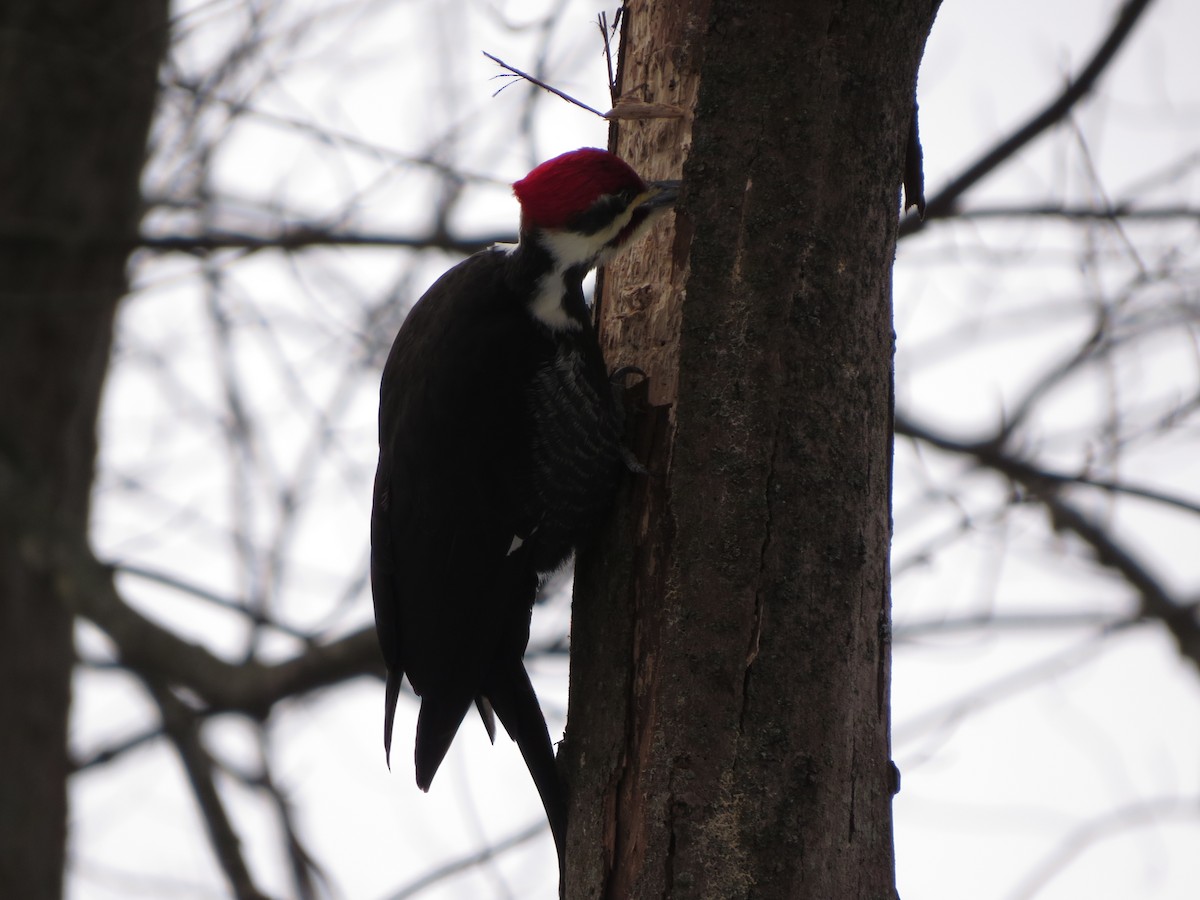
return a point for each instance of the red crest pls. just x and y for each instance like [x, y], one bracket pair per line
[567, 185]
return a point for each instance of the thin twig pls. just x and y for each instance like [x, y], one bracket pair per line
[1093, 175]
[606, 35]
[517, 72]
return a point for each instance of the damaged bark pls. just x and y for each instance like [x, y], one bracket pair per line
[728, 726]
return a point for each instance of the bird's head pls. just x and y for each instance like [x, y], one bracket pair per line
[586, 205]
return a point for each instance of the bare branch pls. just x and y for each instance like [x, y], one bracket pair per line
[990, 621]
[458, 866]
[1134, 815]
[995, 690]
[86, 588]
[170, 580]
[302, 238]
[297, 237]
[180, 725]
[306, 872]
[1155, 600]
[325, 134]
[1022, 471]
[115, 751]
[944, 203]
[1083, 213]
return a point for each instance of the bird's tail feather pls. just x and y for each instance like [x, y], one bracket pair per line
[391, 696]
[484, 705]
[436, 726]
[516, 705]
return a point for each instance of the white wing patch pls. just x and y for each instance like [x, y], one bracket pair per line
[517, 541]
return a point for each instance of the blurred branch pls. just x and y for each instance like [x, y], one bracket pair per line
[1095, 347]
[86, 588]
[301, 238]
[456, 867]
[304, 238]
[945, 202]
[976, 701]
[182, 727]
[114, 751]
[987, 454]
[289, 238]
[324, 134]
[914, 629]
[170, 580]
[243, 440]
[1155, 600]
[1083, 214]
[305, 870]
[1134, 815]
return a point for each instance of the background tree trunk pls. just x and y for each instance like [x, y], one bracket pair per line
[78, 81]
[728, 731]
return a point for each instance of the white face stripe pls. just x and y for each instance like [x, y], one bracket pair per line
[569, 250]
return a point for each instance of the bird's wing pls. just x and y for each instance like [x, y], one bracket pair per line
[440, 527]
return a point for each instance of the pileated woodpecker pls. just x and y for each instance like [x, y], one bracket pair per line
[499, 448]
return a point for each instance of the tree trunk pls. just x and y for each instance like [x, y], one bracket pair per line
[78, 80]
[728, 730]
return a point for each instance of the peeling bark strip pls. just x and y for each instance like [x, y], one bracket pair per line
[728, 727]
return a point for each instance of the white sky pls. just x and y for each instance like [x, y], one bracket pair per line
[988, 796]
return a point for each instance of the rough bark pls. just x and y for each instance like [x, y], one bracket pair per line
[728, 729]
[78, 80]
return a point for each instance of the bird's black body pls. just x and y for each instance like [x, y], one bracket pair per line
[470, 510]
[499, 449]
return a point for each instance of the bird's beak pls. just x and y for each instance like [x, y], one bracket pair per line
[661, 195]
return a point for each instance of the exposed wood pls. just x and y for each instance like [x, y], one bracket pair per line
[640, 302]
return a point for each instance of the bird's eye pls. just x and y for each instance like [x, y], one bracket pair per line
[600, 214]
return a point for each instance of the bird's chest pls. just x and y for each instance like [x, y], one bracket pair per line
[574, 427]
[575, 452]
